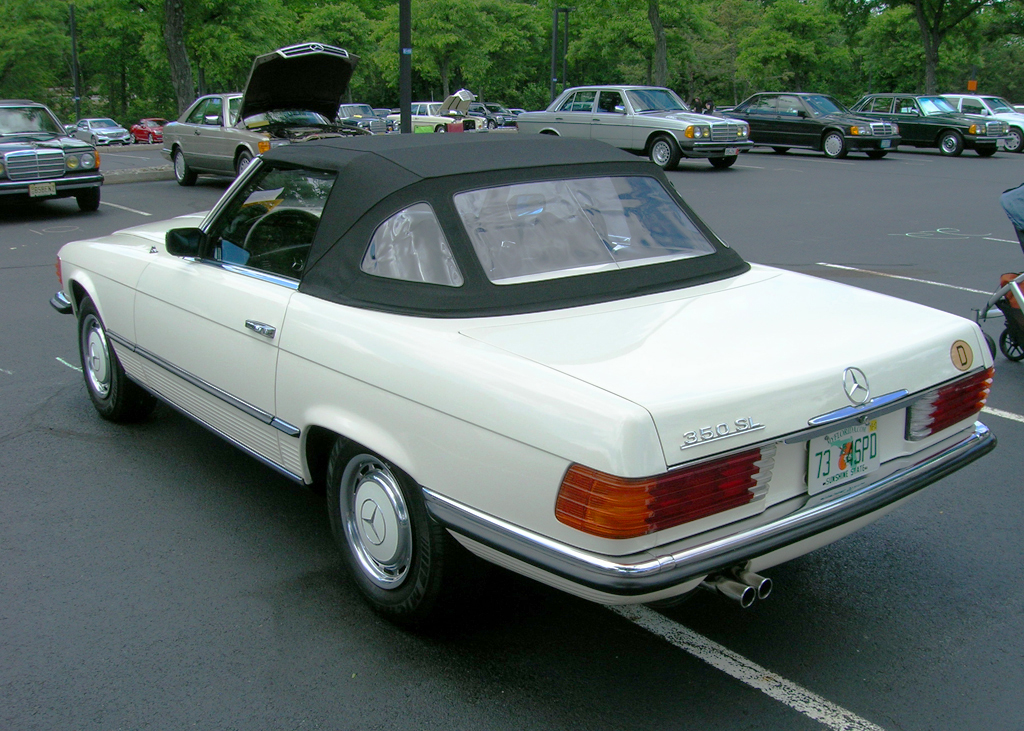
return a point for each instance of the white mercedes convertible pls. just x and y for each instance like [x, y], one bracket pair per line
[530, 349]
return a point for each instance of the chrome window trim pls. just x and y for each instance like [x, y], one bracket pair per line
[253, 273]
[244, 406]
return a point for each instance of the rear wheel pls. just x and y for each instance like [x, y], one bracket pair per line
[1012, 349]
[834, 145]
[441, 128]
[115, 397]
[88, 200]
[182, 172]
[242, 162]
[664, 152]
[491, 124]
[722, 162]
[400, 558]
[951, 143]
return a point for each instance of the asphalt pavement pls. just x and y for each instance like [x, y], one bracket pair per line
[153, 577]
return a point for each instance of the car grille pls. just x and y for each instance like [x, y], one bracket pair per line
[881, 128]
[725, 132]
[34, 164]
[378, 126]
[995, 128]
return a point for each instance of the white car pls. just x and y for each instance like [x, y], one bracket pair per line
[997, 108]
[646, 120]
[447, 116]
[102, 131]
[531, 349]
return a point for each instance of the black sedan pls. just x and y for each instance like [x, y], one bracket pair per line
[816, 122]
[931, 121]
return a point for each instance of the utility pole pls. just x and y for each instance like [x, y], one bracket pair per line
[554, 47]
[74, 65]
[405, 65]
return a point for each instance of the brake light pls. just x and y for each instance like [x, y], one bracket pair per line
[60, 276]
[615, 507]
[945, 406]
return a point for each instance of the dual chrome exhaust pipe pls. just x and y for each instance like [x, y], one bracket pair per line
[741, 585]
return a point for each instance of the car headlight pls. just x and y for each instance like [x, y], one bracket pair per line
[88, 161]
[895, 128]
[695, 132]
[71, 162]
[743, 131]
[2, 171]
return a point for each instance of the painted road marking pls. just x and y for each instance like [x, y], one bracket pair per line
[1005, 241]
[900, 276]
[125, 208]
[72, 367]
[795, 696]
[1003, 414]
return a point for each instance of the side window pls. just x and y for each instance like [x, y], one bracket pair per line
[567, 104]
[412, 247]
[196, 117]
[763, 105]
[234, 104]
[880, 105]
[789, 106]
[270, 223]
[214, 108]
[608, 100]
[970, 106]
[584, 101]
[905, 106]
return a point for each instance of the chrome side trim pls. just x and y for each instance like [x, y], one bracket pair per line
[847, 412]
[244, 406]
[647, 572]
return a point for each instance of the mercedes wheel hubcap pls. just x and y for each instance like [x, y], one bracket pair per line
[376, 520]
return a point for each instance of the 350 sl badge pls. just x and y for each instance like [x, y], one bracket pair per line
[719, 431]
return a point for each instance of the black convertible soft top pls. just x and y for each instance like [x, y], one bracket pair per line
[383, 174]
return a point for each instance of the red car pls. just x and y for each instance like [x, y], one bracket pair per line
[150, 130]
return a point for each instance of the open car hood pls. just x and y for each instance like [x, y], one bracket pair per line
[310, 76]
[457, 103]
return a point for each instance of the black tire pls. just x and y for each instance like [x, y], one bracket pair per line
[721, 163]
[780, 150]
[88, 200]
[1016, 141]
[242, 161]
[150, 140]
[877, 154]
[664, 152]
[441, 129]
[951, 143]
[991, 343]
[114, 395]
[833, 144]
[491, 124]
[1010, 347]
[400, 558]
[985, 151]
[182, 172]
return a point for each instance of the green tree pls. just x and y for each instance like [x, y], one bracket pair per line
[35, 49]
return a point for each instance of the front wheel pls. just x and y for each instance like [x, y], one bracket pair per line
[721, 163]
[664, 152]
[1016, 141]
[834, 145]
[1012, 349]
[441, 129]
[88, 200]
[951, 143]
[398, 555]
[182, 172]
[115, 397]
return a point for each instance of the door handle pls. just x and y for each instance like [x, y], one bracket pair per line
[260, 328]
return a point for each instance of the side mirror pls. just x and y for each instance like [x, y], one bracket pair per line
[801, 113]
[184, 241]
[619, 109]
[212, 120]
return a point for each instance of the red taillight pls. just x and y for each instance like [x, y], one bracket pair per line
[616, 507]
[945, 406]
[60, 277]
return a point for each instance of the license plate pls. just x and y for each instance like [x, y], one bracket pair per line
[38, 190]
[1001, 143]
[841, 456]
[732, 151]
[886, 143]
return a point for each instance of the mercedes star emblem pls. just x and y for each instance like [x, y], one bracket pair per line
[855, 383]
[374, 527]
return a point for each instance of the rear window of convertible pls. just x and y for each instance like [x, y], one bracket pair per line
[561, 228]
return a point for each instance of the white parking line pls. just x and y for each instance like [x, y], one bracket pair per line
[795, 696]
[1005, 241]
[72, 367]
[125, 208]
[899, 276]
[1003, 414]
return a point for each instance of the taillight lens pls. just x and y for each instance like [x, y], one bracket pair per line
[615, 507]
[60, 276]
[945, 406]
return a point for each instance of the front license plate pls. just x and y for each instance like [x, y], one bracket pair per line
[732, 151]
[886, 143]
[841, 456]
[1001, 144]
[38, 190]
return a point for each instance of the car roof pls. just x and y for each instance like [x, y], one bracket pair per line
[380, 175]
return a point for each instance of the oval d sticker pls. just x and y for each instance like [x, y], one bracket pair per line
[961, 355]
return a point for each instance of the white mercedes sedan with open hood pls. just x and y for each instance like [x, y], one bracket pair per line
[531, 349]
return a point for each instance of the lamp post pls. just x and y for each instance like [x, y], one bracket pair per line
[554, 47]
[74, 65]
[405, 65]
